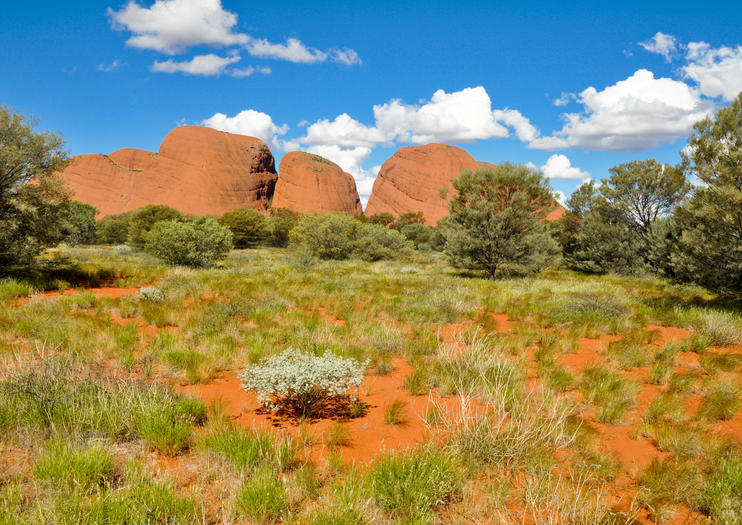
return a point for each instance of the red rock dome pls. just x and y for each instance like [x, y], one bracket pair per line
[418, 178]
[198, 170]
[310, 183]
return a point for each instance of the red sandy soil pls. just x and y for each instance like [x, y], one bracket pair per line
[370, 435]
[107, 291]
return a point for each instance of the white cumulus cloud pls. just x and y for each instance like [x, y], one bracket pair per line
[345, 56]
[637, 113]
[249, 71]
[293, 51]
[661, 44]
[206, 65]
[171, 26]
[460, 116]
[343, 131]
[249, 122]
[559, 167]
[718, 71]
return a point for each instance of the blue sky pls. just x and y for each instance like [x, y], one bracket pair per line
[571, 89]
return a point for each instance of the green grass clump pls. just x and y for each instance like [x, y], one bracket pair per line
[244, 448]
[629, 354]
[263, 499]
[394, 413]
[609, 392]
[665, 484]
[56, 398]
[410, 486]
[665, 407]
[721, 494]
[73, 466]
[724, 362]
[721, 403]
[559, 379]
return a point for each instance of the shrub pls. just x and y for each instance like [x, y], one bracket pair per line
[411, 485]
[384, 218]
[249, 227]
[374, 242]
[329, 236]
[304, 385]
[280, 224]
[151, 294]
[113, 229]
[197, 243]
[143, 220]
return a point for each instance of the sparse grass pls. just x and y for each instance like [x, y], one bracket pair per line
[721, 403]
[395, 413]
[244, 448]
[338, 435]
[72, 377]
[724, 362]
[74, 467]
[609, 392]
[263, 499]
[665, 484]
[721, 493]
[410, 486]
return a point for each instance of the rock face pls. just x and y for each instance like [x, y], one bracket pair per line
[309, 183]
[197, 170]
[418, 178]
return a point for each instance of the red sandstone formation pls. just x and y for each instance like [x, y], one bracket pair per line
[309, 183]
[418, 178]
[198, 171]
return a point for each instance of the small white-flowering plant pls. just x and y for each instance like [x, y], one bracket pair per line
[151, 294]
[305, 385]
[122, 249]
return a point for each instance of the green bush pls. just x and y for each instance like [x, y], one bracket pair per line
[329, 236]
[249, 228]
[113, 229]
[32, 216]
[197, 243]
[374, 242]
[280, 223]
[142, 221]
[338, 236]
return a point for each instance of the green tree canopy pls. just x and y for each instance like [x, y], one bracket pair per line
[197, 243]
[710, 248]
[143, 219]
[32, 198]
[249, 228]
[496, 217]
[644, 190]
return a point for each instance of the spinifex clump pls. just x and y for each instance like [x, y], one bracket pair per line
[305, 385]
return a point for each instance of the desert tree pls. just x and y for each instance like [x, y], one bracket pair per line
[33, 215]
[710, 248]
[496, 220]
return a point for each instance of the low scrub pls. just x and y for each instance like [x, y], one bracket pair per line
[305, 385]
